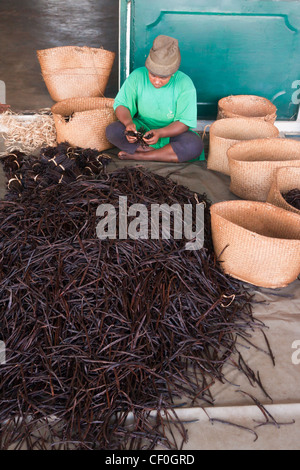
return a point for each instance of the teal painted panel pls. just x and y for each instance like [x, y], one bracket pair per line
[228, 47]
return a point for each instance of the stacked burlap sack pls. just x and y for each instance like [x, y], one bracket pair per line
[76, 77]
[257, 240]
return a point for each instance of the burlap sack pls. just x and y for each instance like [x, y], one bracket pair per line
[250, 106]
[257, 242]
[82, 121]
[285, 179]
[227, 132]
[252, 165]
[72, 71]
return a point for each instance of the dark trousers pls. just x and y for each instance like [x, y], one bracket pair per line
[186, 146]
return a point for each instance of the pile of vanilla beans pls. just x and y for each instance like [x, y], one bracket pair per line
[63, 163]
[104, 337]
[292, 197]
[140, 136]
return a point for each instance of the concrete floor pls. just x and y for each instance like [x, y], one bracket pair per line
[27, 26]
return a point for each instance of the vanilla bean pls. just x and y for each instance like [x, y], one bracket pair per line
[100, 333]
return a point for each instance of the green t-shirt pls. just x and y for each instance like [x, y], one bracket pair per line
[153, 108]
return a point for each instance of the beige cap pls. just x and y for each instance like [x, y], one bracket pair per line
[164, 56]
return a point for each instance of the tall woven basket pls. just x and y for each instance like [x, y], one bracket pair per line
[72, 71]
[285, 179]
[253, 164]
[257, 242]
[249, 106]
[82, 121]
[227, 132]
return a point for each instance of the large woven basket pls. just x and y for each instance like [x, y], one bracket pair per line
[285, 179]
[253, 164]
[227, 132]
[82, 121]
[250, 106]
[257, 242]
[72, 71]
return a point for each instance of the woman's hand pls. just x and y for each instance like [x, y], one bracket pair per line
[152, 137]
[131, 127]
[124, 116]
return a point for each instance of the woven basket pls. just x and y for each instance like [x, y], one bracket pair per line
[82, 121]
[249, 106]
[285, 179]
[257, 242]
[75, 83]
[227, 132]
[71, 72]
[253, 164]
[58, 58]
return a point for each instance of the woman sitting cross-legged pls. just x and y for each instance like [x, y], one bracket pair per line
[160, 101]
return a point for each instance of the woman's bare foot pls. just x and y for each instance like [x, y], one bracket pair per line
[164, 154]
[144, 149]
[128, 156]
